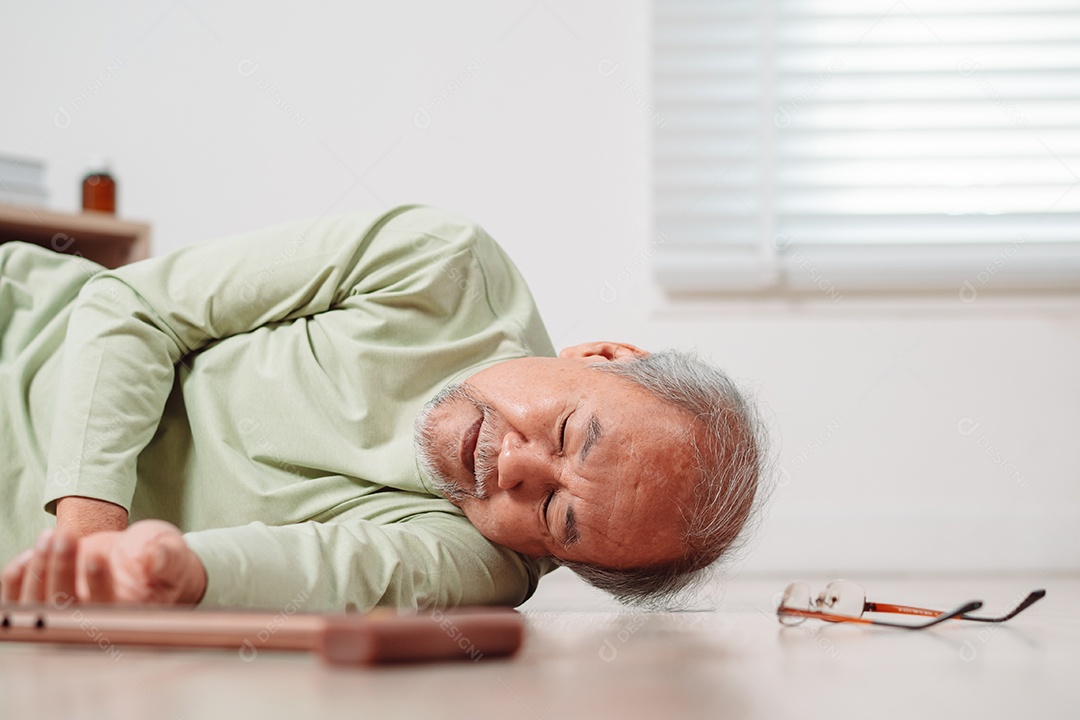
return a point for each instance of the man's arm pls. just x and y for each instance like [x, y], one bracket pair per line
[82, 516]
[130, 327]
[434, 560]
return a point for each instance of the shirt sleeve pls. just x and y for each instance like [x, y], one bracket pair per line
[130, 326]
[432, 560]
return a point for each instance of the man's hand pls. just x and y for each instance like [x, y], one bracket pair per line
[147, 563]
[83, 516]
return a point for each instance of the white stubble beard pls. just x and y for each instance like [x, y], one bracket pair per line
[427, 444]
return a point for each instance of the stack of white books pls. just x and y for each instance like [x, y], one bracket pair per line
[22, 181]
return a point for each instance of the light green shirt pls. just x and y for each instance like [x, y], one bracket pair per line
[259, 391]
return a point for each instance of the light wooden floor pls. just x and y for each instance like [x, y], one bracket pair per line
[585, 658]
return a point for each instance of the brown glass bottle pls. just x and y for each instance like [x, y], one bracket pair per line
[99, 191]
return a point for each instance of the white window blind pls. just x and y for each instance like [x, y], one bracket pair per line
[858, 144]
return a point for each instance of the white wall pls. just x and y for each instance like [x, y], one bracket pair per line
[531, 117]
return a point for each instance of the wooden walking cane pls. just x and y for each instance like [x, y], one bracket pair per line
[379, 636]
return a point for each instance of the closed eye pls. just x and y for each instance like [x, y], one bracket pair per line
[562, 433]
[547, 503]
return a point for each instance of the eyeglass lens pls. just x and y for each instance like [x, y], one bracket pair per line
[796, 597]
[840, 597]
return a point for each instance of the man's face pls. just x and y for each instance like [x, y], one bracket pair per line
[547, 456]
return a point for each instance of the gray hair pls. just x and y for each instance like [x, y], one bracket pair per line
[729, 444]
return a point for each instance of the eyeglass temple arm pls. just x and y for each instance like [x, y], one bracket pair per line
[940, 617]
[1030, 600]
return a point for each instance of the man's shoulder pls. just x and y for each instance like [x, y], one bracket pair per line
[461, 271]
[427, 227]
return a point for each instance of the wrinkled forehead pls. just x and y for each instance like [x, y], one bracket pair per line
[642, 495]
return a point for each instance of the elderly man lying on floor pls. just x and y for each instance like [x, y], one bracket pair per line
[335, 414]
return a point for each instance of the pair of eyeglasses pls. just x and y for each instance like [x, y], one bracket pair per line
[845, 601]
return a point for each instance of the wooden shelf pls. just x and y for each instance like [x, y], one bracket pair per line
[99, 237]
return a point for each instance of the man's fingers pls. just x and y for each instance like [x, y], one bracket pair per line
[60, 577]
[148, 562]
[99, 585]
[175, 566]
[11, 579]
[163, 559]
[33, 580]
[152, 563]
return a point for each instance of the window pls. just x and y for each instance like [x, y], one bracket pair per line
[865, 145]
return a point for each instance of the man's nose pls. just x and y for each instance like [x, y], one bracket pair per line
[521, 463]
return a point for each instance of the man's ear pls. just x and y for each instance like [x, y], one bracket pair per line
[602, 352]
